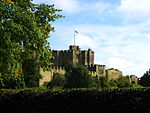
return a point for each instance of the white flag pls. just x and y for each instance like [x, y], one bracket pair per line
[75, 31]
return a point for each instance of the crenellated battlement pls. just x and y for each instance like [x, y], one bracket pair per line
[60, 51]
[93, 73]
[98, 69]
[57, 68]
[74, 47]
[74, 55]
[112, 69]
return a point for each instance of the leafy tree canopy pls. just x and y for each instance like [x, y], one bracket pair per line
[24, 30]
[145, 79]
[79, 77]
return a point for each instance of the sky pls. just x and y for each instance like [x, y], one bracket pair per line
[118, 31]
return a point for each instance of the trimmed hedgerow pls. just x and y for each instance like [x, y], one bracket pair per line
[75, 101]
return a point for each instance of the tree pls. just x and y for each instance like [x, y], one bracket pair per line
[79, 77]
[31, 73]
[103, 82]
[24, 30]
[58, 80]
[145, 79]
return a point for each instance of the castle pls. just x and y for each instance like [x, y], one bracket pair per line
[75, 56]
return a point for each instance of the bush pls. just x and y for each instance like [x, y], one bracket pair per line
[113, 83]
[57, 82]
[79, 77]
[103, 82]
[137, 86]
[123, 82]
[75, 101]
[95, 82]
[145, 80]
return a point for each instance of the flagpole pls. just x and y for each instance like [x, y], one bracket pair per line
[74, 37]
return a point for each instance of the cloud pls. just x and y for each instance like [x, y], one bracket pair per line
[99, 6]
[77, 6]
[130, 11]
[147, 35]
[131, 67]
[85, 41]
[68, 6]
[135, 10]
[119, 63]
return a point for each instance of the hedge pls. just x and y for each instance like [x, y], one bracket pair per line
[75, 101]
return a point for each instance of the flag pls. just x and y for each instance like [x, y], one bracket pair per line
[75, 31]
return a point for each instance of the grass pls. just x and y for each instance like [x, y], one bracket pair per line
[137, 86]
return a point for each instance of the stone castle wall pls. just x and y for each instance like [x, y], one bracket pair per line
[94, 70]
[47, 76]
[99, 70]
[113, 74]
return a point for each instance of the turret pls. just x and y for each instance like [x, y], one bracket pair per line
[74, 47]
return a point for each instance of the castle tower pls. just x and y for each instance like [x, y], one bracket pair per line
[73, 56]
[90, 58]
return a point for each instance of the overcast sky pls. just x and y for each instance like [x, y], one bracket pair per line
[117, 30]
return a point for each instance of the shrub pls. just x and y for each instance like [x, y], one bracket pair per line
[145, 79]
[123, 82]
[58, 81]
[79, 77]
[113, 83]
[75, 101]
[103, 82]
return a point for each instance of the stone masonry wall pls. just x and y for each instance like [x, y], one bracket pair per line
[113, 74]
[47, 76]
[94, 70]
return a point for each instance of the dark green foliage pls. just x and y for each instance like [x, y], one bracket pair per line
[13, 83]
[24, 31]
[137, 86]
[123, 82]
[113, 83]
[69, 68]
[145, 79]
[31, 73]
[95, 82]
[75, 101]
[79, 77]
[57, 81]
[103, 82]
